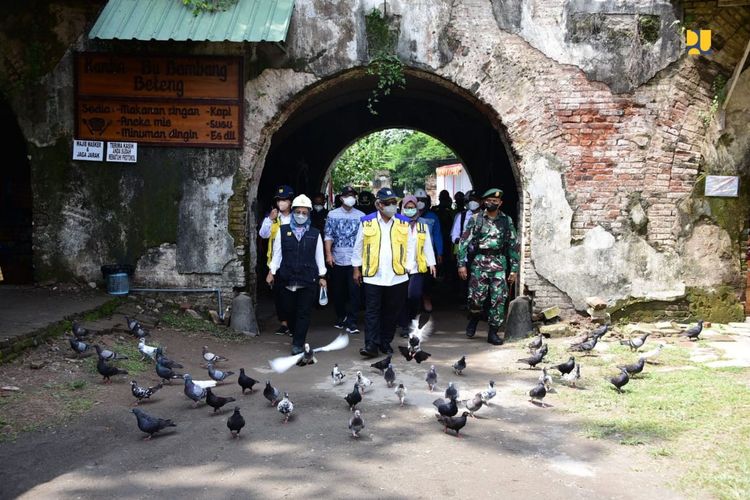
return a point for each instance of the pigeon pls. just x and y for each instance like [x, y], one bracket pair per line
[389, 375]
[431, 378]
[620, 380]
[634, 368]
[542, 350]
[141, 393]
[162, 359]
[192, 390]
[400, 392]
[364, 382]
[586, 346]
[146, 351]
[573, 377]
[417, 354]
[651, 355]
[106, 371]
[600, 331]
[133, 323]
[694, 332]
[337, 376]
[446, 408]
[151, 425]
[356, 423]
[489, 393]
[78, 331]
[218, 375]
[566, 367]
[382, 364]
[453, 423]
[538, 392]
[459, 366]
[417, 335]
[285, 407]
[210, 357]
[307, 357]
[534, 359]
[536, 343]
[79, 346]
[245, 381]
[271, 393]
[545, 379]
[474, 404]
[166, 373]
[108, 355]
[635, 343]
[215, 401]
[354, 397]
[235, 422]
[451, 391]
[140, 332]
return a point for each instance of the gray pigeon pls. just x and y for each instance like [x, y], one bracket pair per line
[271, 393]
[194, 392]
[431, 378]
[694, 332]
[635, 343]
[151, 425]
[451, 391]
[538, 392]
[356, 423]
[459, 366]
[389, 375]
[218, 375]
[79, 331]
[474, 404]
[78, 346]
[108, 355]
[166, 373]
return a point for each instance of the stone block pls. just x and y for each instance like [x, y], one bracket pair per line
[518, 324]
[596, 303]
[243, 315]
[551, 312]
[555, 331]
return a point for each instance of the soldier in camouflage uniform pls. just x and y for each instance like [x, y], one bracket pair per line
[488, 248]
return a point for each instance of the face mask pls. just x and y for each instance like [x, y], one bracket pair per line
[283, 205]
[318, 208]
[390, 210]
[491, 207]
[300, 219]
[420, 205]
[410, 212]
[349, 201]
[473, 205]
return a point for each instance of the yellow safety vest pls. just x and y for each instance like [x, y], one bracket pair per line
[371, 246]
[421, 237]
[275, 225]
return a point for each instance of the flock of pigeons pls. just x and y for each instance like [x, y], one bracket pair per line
[447, 407]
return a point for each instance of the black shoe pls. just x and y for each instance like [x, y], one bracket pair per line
[493, 338]
[283, 330]
[368, 353]
[297, 350]
[471, 328]
[404, 332]
[386, 349]
[352, 330]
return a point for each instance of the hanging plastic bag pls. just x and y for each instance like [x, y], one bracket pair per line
[323, 298]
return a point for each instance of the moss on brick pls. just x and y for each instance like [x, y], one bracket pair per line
[730, 214]
[648, 28]
[643, 310]
[719, 306]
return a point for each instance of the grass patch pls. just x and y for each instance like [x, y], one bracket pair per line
[133, 364]
[186, 323]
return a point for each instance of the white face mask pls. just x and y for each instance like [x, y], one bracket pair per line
[390, 210]
[420, 205]
[473, 205]
[349, 201]
[318, 208]
[283, 205]
[300, 219]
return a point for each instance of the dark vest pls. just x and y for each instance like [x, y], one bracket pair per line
[298, 265]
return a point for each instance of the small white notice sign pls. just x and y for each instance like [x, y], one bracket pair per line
[722, 185]
[122, 151]
[88, 150]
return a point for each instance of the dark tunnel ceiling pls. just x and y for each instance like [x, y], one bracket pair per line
[326, 123]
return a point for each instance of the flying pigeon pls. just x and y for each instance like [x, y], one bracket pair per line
[78, 331]
[164, 360]
[545, 379]
[308, 356]
[271, 393]
[459, 366]
[620, 380]
[79, 346]
[235, 422]
[573, 377]
[146, 351]
[651, 355]
[382, 364]
[446, 408]
[166, 373]
[416, 336]
[453, 423]
[192, 390]
[417, 354]
[354, 397]
[364, 382]
[106, 371]
[285, 407]
[337, 376]
[218, 375]
[389, 375]
[489, 393]
[634, 368]
[210, 357]
[451, 391]
[474, 404]
[400, 392]
[151, 425]
[245, 381]
[431, 378]
[538, 392]
[216, 401]
[141, 393]
[108, 355]
[356, 423]
[566, 367]
[536, 343]
[635, 343]
[694, 332]
[534, 359]
[282, 364]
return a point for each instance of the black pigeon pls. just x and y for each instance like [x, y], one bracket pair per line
[634, 368]
[308, 356]
[106, 371]
[141, 393]
[566, 367]
[215, 401]
[79, 331]
[453, 423]
[245, 381]
[271, 393]
[389, 375]
[141, 332]
[459, 366]
[354, 397]
[166, 374]
[599, 332]
[451, 391]
[586, 346]
[235, 422]
[164, 360]
[538, 392]
[218, 375]
[78, 346]
[620, 380]
[151, 425]
[382, 364]
[635, 343]
[446, 408]
[534, 359]
[417, 355]
[108, 355]
[536, 343]
[694, 332]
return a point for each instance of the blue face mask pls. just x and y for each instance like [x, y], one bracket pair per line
[410, 212]
[300, 219]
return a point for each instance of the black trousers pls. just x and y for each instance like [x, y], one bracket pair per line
[345, 294]
[278, 302]
[382, 307]
[297, 307]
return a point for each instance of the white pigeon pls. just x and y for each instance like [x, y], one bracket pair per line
[545, 379]
[337, 376]
[400, 393]
[653, 354]
[146, 351]
[572, 377]
[307, 357]
[364, 382]
[489, 393]
[285, 407]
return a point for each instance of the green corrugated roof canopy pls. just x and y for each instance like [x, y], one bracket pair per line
[243, 21]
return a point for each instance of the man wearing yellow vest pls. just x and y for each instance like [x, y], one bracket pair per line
[281, 214]
[382, 257]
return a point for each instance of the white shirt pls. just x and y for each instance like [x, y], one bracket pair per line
[385, 275]
[458, 229]
[319, 258]
[265, 228]
[429, 252]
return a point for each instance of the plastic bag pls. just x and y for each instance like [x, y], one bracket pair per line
[323, 297]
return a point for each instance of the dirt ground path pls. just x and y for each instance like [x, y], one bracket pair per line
[514, 450]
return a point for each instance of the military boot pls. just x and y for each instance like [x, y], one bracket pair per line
[471, 328]
[492, 336]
